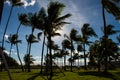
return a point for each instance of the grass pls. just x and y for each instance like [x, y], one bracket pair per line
[75, 75]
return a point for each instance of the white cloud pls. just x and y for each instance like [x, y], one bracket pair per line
[7, 2]
[26, 3]
[6, 36]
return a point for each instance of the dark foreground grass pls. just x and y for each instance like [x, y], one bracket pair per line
[75, 75]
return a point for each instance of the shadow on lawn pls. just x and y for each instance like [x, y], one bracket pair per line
[45, 76]
[37, 75]
[99, 74]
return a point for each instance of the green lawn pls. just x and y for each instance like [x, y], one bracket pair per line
[75, 75]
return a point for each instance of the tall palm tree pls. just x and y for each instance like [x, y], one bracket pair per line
[13, 39]
[54, 22]
[26, 58]
[41, 19]
[112, 8]
[14, 3]
[30, 39]
[79, 49]
[71, 38]
[86, 33]
[65, 45]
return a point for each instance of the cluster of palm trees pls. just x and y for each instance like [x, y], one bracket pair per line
[49, 21]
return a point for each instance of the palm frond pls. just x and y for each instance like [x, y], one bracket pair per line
[39, 35]
[62, 18]
[54, 10]
[1, 9]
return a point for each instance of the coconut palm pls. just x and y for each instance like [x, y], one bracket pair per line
[30, 39]
[65, 45]
[54, 22]
[112, 8]
[79, 49]
[71, 38]
[87, 32]
[26, 58]
[13, 39]
[14, 3]
[41, 19]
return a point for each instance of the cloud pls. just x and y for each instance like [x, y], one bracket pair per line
[7, 2]
[26, 3]
[6, 36]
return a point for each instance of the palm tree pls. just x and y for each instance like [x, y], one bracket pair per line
[54, 22]
[23, 18]
[111, 7]
[41, 17]
[13, 39]
[26, 58]
[72, 37]
[86, 33]
[14, 3]
[30, 39]
[65, 45]
[79, 49]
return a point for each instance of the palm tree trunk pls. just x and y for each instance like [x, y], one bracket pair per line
[98, 65]
[50, 49]
[18, 28]
[65, 62]
[85, 65]
[29, 70]
[4, 60]
[71, 55]
[7, 26]
[10, 49]
[6, 65]
[19, 57]
[105, 34]
[42, 53]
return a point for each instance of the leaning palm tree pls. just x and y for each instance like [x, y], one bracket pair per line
[72, 37]
[26, 58]
[23, 18]
[13, 40]
[86, 33]
[79, 49]
[30, 39]
[65, 45]
[41, 19]
[14, 3]
[54, 22]
[111, 7]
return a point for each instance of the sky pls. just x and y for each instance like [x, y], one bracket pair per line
[83, 11]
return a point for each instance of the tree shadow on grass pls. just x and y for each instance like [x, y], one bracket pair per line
[99, 74]
[37, 75]
[45, 76]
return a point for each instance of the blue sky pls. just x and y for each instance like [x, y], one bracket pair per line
[83, 11]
